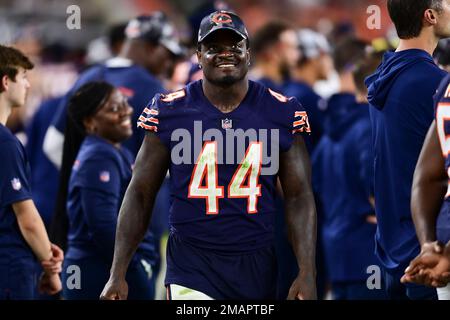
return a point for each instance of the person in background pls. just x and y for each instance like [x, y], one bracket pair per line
[442, 54]
[275, 52]
[430, 202]
[400, 94]
[313, 65]
[99, 120]
[343, 179]
[23, 236]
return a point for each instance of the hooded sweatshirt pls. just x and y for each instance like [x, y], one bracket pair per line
[343, 179]
[401, 111]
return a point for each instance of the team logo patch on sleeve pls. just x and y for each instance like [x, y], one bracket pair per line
[16, 184]
[301, 123]
[104, 176]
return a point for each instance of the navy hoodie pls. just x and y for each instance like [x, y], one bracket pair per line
[343, 179]
[401, 110]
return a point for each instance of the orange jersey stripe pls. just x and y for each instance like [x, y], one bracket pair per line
[147, 127]
[298, 123]
[299, 114]
[154, 120]
[151, 111]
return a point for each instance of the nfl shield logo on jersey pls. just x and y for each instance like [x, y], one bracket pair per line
[16, 185]
[227, 124]
[104, 176]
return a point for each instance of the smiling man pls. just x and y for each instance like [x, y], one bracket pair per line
[222, 217]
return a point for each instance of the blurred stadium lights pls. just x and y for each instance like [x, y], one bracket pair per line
[46, 19]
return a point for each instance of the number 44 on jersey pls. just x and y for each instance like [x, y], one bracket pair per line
[244, 184]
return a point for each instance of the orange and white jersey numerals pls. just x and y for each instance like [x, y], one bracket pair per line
[206, 168]
[244, 184]
[249, 170]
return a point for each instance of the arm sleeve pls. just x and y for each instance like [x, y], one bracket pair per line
[295, 121]
[299, 117]
[13, 174]
[100, 200]
[154, 118]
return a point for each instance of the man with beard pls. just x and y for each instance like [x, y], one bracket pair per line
[275, 50]
[222, 217]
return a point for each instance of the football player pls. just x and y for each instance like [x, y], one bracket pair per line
[222, 217]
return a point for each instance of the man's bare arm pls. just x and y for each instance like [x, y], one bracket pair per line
[300, 212]
[32, 228]
[135, 213]
[428, 191]
[429, 187]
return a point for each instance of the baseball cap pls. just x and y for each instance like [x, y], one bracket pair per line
[312, 43]
[155, 28]
[220, 20]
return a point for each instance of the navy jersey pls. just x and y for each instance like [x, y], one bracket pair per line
[223, 197]
[343, 179]
[401, 98]
[443, 129]
[132, 80]
[14, 187]
[98, 182]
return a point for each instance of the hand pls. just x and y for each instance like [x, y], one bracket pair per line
[428, 258]
[303, 287]
[54, 265]
[440, 274]
[49, 284]
[115, 290]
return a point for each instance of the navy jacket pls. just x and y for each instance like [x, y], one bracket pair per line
[401, 98]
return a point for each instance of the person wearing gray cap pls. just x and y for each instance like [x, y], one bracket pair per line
[150, 45]
[222, 215]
